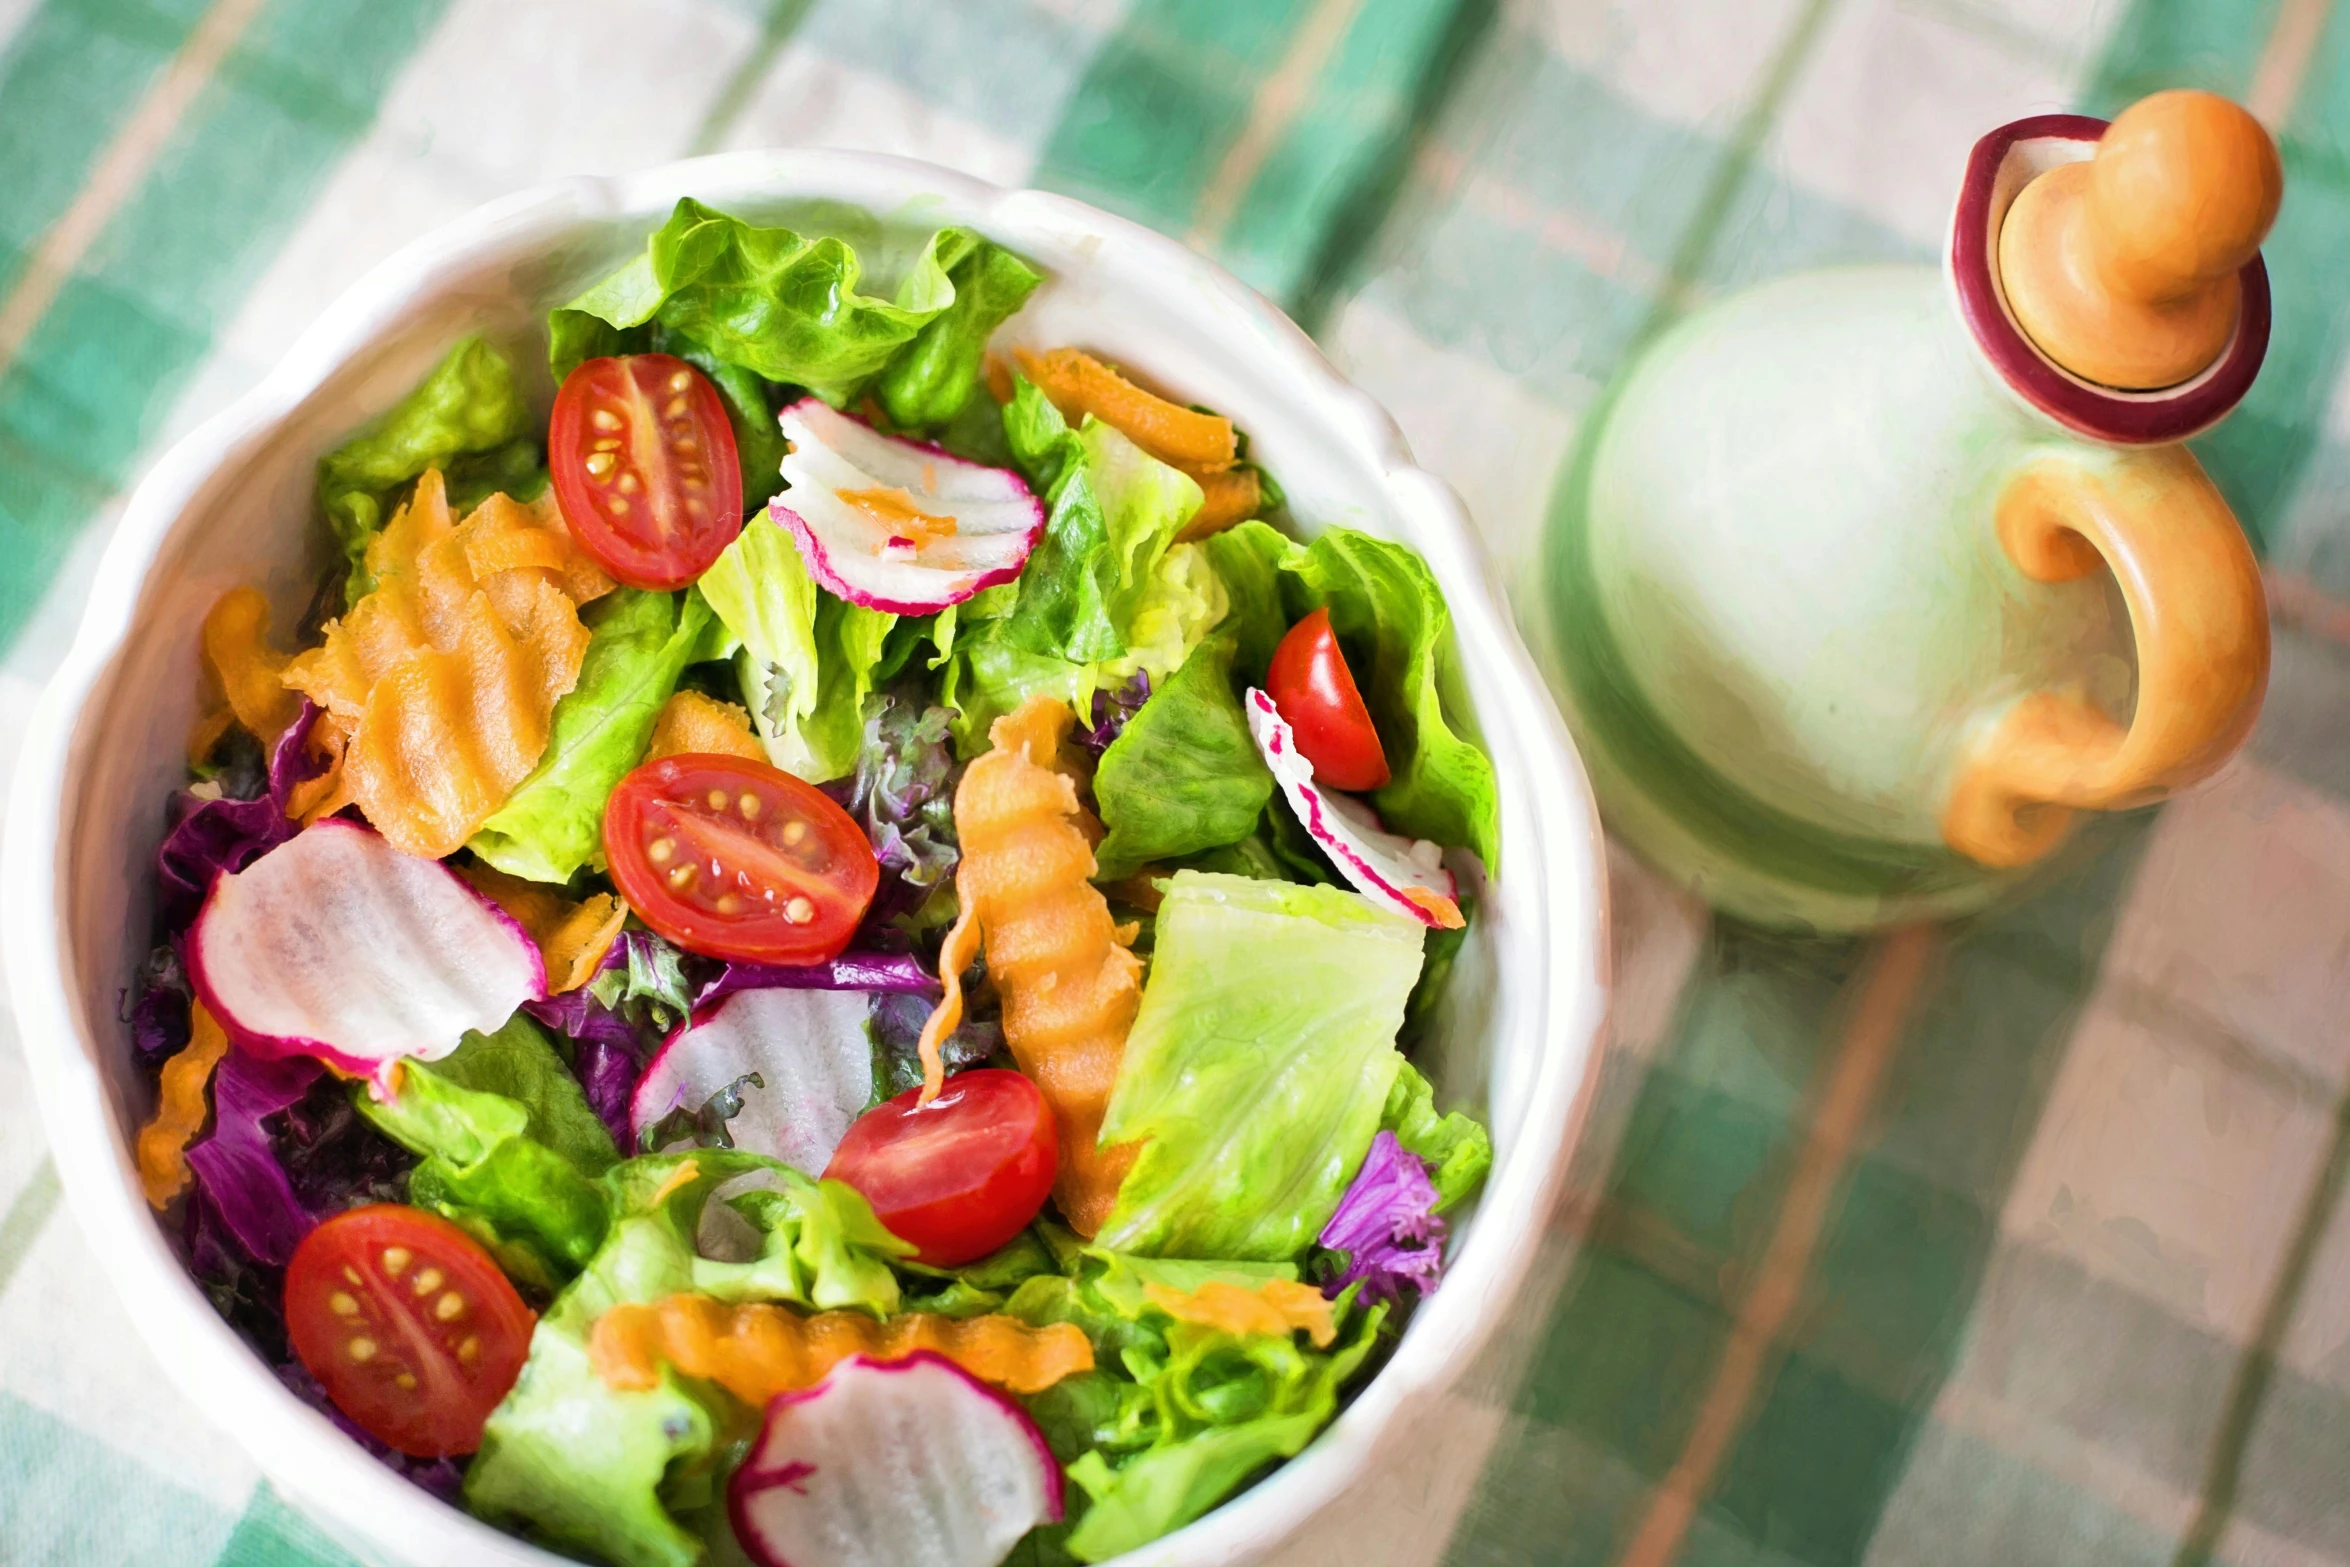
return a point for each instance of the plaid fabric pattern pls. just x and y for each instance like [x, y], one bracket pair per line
[2014, 1242]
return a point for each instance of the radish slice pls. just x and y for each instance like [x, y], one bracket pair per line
[336, 945]
[1403, 874]
[903, 1463]
[898, 525]
[812, 1049]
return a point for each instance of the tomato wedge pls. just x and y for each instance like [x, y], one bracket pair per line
[408, 1325]
[1310, 683]
[643, 463]
[735, 859]
[959, 1176]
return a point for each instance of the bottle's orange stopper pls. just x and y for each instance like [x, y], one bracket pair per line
[2123, 268]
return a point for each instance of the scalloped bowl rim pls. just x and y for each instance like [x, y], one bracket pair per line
[1550, 825]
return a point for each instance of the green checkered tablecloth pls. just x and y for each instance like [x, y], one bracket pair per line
[2015, 1243]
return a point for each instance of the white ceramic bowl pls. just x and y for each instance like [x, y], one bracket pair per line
[231, 504]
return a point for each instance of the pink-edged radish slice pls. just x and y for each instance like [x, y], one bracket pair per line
[336, 945]
[898, 525]
[901, 1463]
[1403, 874]
[812, 1049]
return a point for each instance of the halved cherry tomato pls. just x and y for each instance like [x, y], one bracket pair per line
[959, 1176]
[1310, 683]
[733, 858]
[643, 462]
[408, 1325]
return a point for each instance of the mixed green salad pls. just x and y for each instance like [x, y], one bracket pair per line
[866, 1026]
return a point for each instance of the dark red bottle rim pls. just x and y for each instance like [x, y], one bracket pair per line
[2001, 165]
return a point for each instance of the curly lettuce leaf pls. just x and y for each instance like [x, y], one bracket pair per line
[509, 1148]
[1217, 1408]
[595, 1470]
[821, 1248]
[781, 305]
[933, 378]
[1115, 511]
[1454, 1146]
[519, 1062]
[1258, 1066]
[1108, 593]
[987, 679]
[640, 643]
[467, 418]
[1184, 775]
[808, 659]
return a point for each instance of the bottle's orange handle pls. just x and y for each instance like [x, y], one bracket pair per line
[2201, 623]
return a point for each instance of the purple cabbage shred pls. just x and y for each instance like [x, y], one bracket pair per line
[237, 1167]
[1112, 711]
[608, 1070]
[896, 973]
[212, 834]
[159, 1020]
[1387, 1227]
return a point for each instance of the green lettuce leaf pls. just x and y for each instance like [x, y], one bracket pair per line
[553, 822]
[1175, 1415]
[1115, 511]
[986, 679]
[580, 1465]
[520, 1062]
[1222, 1407]
[468, 407]
[780, 305]
[594, 1470]
[1180, 603]
[808, 659]
[1184, 775]
[510, 1149]
[1248, 559]
[1108, 591]
[1257, 1067]
[821, 1247]
[933, 378]
[1455, 1147]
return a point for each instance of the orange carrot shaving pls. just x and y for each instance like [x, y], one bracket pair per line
[1277, 1307]
[954, 956]
[1078, 384]
[1069, 986]
[448, 671]
[1441, 909]
[1230, 497]
[998, 377]
[894, 509]
[330, 790]
[179, 1115]
[758, 1351]
[249, 671]
[572, 937]
[692, 722]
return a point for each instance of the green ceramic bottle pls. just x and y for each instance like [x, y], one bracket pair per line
[1860, 587]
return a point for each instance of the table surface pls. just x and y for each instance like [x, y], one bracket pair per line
[2019, 1243]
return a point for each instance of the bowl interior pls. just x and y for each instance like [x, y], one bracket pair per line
[233, 505]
